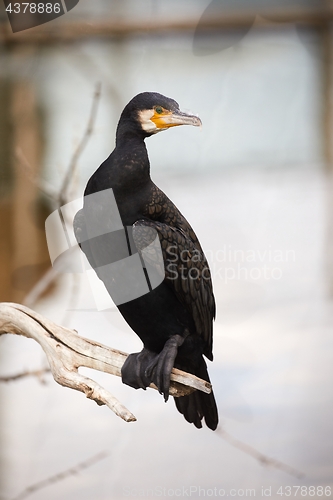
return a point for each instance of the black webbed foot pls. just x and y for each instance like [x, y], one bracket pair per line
[159, 369]
[133, 372]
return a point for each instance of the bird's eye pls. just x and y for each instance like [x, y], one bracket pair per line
[159, 110]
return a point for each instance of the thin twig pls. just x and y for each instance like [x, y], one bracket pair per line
[73, 471]
[260, 457]
[28, 373]
[63, 194]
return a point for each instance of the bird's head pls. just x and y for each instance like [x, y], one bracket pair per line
[150, 112]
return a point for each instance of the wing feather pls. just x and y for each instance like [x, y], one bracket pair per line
[189, 277]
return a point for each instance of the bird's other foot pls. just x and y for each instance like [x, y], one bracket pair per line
[133, 372]
[159, 369]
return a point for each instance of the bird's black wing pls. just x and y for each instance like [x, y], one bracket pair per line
[186, 272]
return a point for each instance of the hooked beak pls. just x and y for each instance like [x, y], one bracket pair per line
[174, 118]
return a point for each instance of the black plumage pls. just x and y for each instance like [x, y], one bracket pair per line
[173, 319]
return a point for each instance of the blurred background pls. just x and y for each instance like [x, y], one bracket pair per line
[256, 185]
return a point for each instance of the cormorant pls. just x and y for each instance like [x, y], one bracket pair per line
[174, 318]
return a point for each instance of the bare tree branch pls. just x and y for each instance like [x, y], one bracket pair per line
[66, 351]
[73, 471]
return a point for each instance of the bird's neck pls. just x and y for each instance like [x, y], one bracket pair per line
[130, 162]
[129, 131]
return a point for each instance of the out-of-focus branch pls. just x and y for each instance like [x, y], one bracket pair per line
[257, 455]
[64, 190]
[28, 373]
[61, 475]
[66, 351]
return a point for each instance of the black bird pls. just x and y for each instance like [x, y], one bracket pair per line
[174, 318]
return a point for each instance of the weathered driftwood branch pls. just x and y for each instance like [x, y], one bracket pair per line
[66, 351]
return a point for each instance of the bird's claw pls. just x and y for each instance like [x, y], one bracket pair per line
[159, 369]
